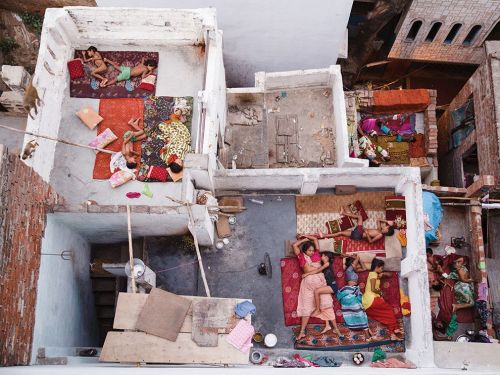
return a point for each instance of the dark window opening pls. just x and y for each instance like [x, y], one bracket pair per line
[494, 33]
[471, 166]
[415, 28]
[433, 31]
[453, 33]
[469, 39]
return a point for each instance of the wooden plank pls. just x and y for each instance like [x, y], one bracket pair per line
[140, 347]
[130, 305]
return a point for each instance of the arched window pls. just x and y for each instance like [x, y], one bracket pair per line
[453, 33]
[433, 31]
[471, 36]
[415, 28]
[494, 33]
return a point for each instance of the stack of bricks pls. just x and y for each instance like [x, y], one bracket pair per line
[431, 130]
[25, 200]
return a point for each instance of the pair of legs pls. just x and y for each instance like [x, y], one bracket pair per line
[460, 306]
[317, 297]
[139, 133]
[348, 232]
[97, 73]
[115, 66]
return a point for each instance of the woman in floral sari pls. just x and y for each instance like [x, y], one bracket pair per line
[177, 140]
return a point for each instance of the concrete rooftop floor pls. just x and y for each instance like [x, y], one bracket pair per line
[180, 73]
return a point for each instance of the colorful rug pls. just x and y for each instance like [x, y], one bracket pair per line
[314, 211]
[395, 210]
[400, 101]
[399, 152]
[88, 86]
[116, 114]
[156, 110]
[290, 286]
[351, 246]
[351, 340]
[417, 148]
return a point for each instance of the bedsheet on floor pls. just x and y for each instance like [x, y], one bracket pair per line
[88, 87]
[116, 114]
[156, 110]
[291, 276]
[351, 340]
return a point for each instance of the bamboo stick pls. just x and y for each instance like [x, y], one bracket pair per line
[56, 139]
[131, 250]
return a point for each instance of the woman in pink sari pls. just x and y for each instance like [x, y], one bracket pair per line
[307, 251]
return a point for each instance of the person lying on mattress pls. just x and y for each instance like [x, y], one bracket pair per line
[358, 233]
[350, 298]
[129, 137]
[177, 140]
[100, 65]
[307, 252]
[463, 288]
[374, 304]
[143, 69]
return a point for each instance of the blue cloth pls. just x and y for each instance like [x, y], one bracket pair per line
[434, 210]
[350, 274]
[352, 309]
[244, 308]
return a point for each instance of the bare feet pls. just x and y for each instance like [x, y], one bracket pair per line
[339, 333]
[301, 335]
[316, 312]
[103, 83]
[342, 211]
[395, 338]
[454, 307]
[326, 329]
[398, 331]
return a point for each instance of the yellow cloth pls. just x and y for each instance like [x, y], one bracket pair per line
[369, 295]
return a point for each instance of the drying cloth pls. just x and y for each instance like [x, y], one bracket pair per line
[241, 336]
[157, 110]
[133, 194]
[88, 87]
[400, 101]
[244, 308]
[298, 357]
[324, 361]
[434, 211]
[116, 113]
[378, 355]
[452, 326]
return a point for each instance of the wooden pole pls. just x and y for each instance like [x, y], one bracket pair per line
[198, 254]
[131, 250]
[56, 139]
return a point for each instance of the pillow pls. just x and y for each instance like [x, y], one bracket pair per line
[103, 139]
[155, 173]
[338, 225]
[392, 264]
[89, 117]
[120, 177]
[326, 244]
[366, 259]
[75, 69]
[356, 208]
[175, 176]
[148, 83]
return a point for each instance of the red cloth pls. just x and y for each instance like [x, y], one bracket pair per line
[417, 148]
[316, 257]
[116, 114]
[447, 294]
[75, 69]
[353, 246]
[382, 312]
[157, 173]
[291, 276]
[399, 101]
[357, 208]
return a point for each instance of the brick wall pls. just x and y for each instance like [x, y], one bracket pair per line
[25, 199]
[468, 13]
[486, 99]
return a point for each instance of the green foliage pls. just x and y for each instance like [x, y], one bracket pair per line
[7, 45]
[32, 20]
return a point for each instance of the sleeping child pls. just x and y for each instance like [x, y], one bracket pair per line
[100, 65]
[143, 69]
[129, 137]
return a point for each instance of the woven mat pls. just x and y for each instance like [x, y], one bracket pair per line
[315, 210]
[88, 87]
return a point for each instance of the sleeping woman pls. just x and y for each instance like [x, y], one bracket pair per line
[463, 288]
[307, 252]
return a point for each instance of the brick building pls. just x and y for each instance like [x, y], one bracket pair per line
[446, 31]
[469, 138]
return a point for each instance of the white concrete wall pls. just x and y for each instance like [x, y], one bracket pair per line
[65, 313]
[264, 35]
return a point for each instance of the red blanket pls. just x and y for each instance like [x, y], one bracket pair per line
[400, 101]
[291, 276]
[116, 114]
